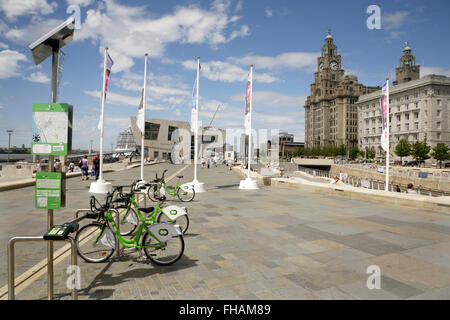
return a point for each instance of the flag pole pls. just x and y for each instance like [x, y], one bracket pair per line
[196, 122]
[386, 188]
[250, 131]
[101, 186]
[143, 116]
[249, 184]
[102, 119]
[196, 185]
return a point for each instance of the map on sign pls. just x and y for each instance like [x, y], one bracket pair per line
[51, 129]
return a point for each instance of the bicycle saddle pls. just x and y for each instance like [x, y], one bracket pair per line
[147, 210]
[180, 177]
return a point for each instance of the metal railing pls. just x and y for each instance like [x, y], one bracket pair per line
[11, 266]
[373, 184]
[442, 175]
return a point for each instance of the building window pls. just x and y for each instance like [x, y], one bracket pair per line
[438, 124]
[151, 131]
[172, 136]
[438, 112]
[438, 136]
[416, 115]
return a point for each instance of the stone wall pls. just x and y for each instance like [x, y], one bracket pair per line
[399, 176]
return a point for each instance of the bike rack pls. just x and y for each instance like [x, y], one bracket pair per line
[12, 242]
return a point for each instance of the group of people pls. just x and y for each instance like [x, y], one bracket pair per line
[84, 166]
[209, 162]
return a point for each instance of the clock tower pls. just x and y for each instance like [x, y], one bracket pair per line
[408, 69]
[331, 119]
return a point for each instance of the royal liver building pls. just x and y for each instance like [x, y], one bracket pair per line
[331, 117]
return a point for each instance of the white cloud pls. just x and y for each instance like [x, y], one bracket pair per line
[130, 32]
[273, 99]
[116, 98]
[434, 70]
[16, 8]
[82, 3]
[38, 77]
[394, 21]
[268, 12]
[3, 45]
[289, 60]
[9, 63]
[31, 32]
[227, 72]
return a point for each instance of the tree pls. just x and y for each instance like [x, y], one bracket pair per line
[420, 151]
[370, 153]
[353, 153]
[342, 150]
[441, 153]
[403, 149]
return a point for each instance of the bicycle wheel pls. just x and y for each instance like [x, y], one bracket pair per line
[129, 222]
[182, 221]
[153, 193]
[95, 242]
[186, 196]
[166, 255]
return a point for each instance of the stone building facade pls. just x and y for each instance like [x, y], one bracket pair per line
[419, 108]
[331, 117]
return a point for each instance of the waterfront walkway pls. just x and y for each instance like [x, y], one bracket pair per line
[266, 244]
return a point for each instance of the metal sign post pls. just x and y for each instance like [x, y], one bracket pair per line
[50, 45]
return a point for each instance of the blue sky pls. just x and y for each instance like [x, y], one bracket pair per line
[281, 38]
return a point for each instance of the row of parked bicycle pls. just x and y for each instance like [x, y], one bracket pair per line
[155, 230]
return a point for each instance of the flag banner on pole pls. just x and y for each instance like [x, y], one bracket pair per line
[384, 111]
[109, 64]
[248, 103]
[140, 121]
[194, 107]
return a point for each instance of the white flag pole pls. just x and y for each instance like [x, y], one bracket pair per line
[196, 122]
[250, 125]
[388, 135]
[249, 184]
[102, 116]
[101, 186]
[143, 117]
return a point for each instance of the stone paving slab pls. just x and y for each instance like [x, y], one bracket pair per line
[279, 244]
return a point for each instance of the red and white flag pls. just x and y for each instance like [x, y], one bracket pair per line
[248, 102]
[109, 64]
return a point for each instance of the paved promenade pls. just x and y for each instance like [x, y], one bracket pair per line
[266, 244]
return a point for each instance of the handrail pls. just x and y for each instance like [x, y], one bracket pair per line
[12, 242]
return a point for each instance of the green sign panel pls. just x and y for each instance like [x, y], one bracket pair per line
[48, 191]
[52, 129]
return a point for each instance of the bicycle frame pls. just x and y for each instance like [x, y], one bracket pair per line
[134, 242]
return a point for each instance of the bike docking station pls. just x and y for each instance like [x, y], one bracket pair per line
[56, 233]
[52, 136]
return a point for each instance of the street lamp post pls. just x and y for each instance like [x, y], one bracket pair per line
[9, 132]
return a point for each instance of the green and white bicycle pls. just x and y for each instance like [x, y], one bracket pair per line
[129, 219]
[158, 190]
[162, 243]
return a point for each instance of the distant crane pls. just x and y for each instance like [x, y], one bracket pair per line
[218, 106]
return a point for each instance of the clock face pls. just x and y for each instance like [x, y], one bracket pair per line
[334, 65]
[321, 67]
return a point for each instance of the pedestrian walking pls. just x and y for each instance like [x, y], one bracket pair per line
[411, 189]
[38, 166]
[84, 166]
[208, 162]
[96, 165]
[203, 162]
